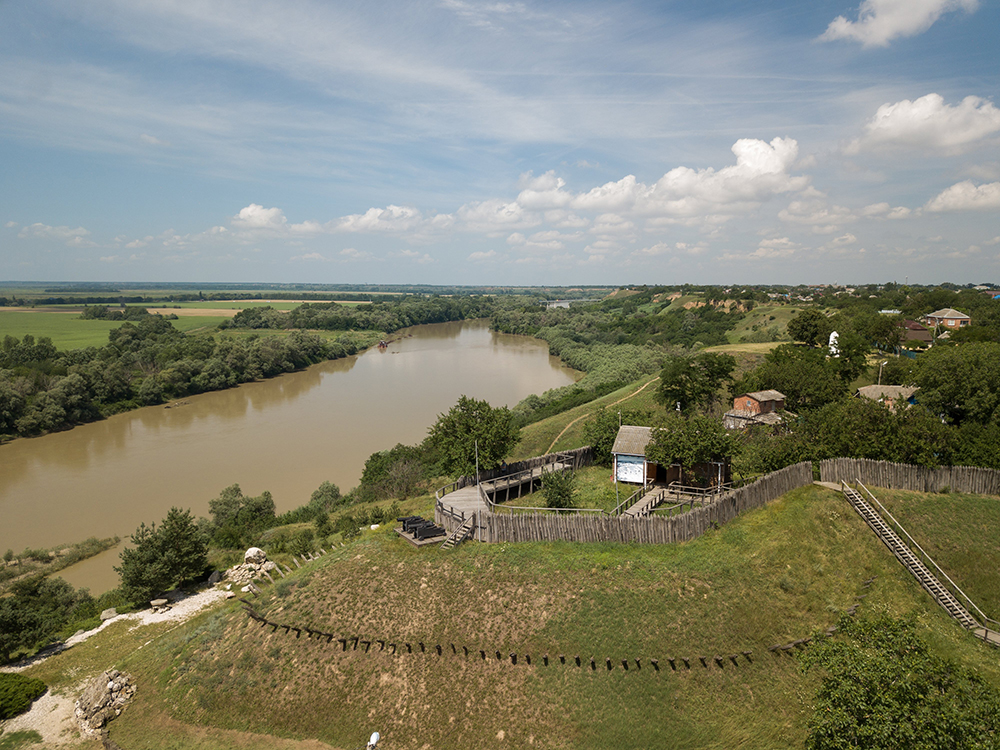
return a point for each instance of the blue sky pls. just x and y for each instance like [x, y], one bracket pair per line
[462, 142]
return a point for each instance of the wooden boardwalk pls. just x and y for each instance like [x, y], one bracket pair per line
[646, 503]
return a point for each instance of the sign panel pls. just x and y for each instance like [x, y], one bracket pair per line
[630, 469]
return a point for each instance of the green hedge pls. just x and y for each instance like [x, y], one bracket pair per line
[17, 693]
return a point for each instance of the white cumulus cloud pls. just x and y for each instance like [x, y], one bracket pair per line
[816, 214]
[881, 21]
[389, 219]
[966, 196]
[544, 192]
[929, 123]
[255, 216]
[762, 170]
[496, 215]
[885, 211]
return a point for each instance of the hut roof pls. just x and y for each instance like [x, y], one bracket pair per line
[632, 441]
[766, 395]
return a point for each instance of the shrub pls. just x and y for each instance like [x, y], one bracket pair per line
[17, 693]
[302, 542]
[559, 488]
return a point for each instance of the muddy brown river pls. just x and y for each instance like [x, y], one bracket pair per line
[286, 435]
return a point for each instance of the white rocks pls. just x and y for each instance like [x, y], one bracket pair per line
[104, 699]
[249, 570]
[109, 613]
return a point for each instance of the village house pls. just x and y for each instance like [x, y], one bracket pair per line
[893, 396]
[947, 318]
[759, 407]
[913, 331]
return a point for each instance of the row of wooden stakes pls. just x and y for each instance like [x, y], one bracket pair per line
[357, 643]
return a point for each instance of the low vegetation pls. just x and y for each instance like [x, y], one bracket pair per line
[17, 693]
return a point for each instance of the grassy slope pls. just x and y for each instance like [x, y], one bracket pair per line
[771, 576]
[761, 316]
[537, 438]
[951, 529]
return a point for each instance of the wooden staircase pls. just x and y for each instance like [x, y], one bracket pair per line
[460, 534]
[930, 583]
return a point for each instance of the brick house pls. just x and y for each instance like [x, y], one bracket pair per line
[948, 319]
[759, 407]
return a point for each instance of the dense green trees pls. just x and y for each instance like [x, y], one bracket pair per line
[807, 377]
[392, 473]
[237, 520]
[452, 441]
[159, 559]
[37, 609]
[145, 362]
[694, 382]
[962, 383]
[883, 689]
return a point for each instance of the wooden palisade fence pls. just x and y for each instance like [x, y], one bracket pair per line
[547, 526]
[908, 477]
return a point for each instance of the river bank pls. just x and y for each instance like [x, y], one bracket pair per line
[286, 435]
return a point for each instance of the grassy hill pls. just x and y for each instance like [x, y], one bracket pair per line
[772, 576]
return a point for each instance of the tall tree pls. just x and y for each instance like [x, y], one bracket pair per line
[961, 383]
[694, 382]
[161, 558]
[810, 327]
[455, 435]
[690, 441]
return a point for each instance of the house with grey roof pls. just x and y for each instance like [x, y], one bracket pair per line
[948, 319]
[893, 396]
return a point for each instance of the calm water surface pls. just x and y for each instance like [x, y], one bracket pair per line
[286, 435]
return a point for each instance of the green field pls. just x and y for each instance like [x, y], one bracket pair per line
[66, 329]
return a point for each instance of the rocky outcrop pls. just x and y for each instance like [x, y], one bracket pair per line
[255, 564]
[104, 699]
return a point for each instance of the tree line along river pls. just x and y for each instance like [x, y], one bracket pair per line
[286, 435]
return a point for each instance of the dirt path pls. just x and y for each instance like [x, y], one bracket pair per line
[625, 398]
[53, 715]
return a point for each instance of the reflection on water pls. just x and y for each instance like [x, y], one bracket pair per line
[286, 435]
